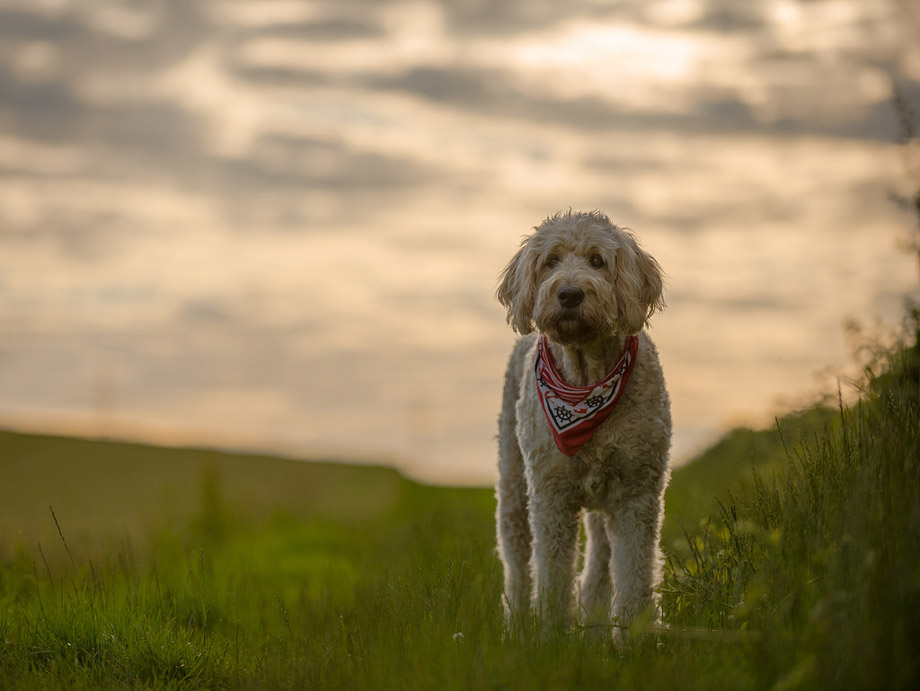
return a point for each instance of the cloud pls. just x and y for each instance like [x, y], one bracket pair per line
[463, 87]
[791, 112]
[43, 110]
[85, 36]
[263, 75]
[205, 311]
[329, 29]
[158, 140]
[497, 94]
[729, 16]
[484, 18]
[18, 25]
[296, 162]
[81, 234]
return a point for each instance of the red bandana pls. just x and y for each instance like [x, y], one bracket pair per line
[574, 412]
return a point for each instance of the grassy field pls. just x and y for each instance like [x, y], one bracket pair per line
[793, 562]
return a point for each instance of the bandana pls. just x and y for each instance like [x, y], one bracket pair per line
[574, 412]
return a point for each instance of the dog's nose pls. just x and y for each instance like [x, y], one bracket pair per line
[570, 296]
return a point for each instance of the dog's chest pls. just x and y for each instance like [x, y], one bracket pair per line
[603, 472]
[598, 480]
[599, 474]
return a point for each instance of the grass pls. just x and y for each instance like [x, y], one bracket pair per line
[793, 562]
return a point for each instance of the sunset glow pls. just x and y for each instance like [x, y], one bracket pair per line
[279, 225]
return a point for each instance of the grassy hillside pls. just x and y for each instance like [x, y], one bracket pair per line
[177, 568]
[106, 490]
[727, 469]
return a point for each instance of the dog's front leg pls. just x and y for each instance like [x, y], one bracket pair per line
[636, 562]
[554, 524]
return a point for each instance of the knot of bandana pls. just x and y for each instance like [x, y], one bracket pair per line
[574, 412]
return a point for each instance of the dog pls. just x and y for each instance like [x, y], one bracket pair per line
[585, 427]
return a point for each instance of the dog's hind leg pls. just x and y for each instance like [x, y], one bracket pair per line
[595, 583]
[511, 519]
[514, 535]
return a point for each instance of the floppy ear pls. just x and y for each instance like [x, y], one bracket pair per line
[517, 291]
[638, 285]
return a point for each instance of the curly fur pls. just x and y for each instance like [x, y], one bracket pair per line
[616, 480]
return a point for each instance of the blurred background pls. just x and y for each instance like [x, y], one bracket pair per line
[277, 225]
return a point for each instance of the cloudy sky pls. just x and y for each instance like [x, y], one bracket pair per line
[278, 224]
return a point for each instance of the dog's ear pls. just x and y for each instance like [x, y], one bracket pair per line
[638, 284]
[517, 292]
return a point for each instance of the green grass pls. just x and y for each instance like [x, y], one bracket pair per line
[164, 568]
[729, 467]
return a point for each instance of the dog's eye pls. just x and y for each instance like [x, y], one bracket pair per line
[552, 261]
[597, 261]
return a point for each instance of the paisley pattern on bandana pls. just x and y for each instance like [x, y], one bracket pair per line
[574, 412]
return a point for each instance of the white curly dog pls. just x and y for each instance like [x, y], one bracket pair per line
[585, 426]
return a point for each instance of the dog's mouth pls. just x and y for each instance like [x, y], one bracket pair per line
[570, 326]
[569, 316]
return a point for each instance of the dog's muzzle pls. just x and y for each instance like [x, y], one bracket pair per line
[569, 320]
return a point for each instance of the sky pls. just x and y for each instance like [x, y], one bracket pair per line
[278, 225]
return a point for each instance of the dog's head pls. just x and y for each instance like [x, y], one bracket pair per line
[579, 277]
